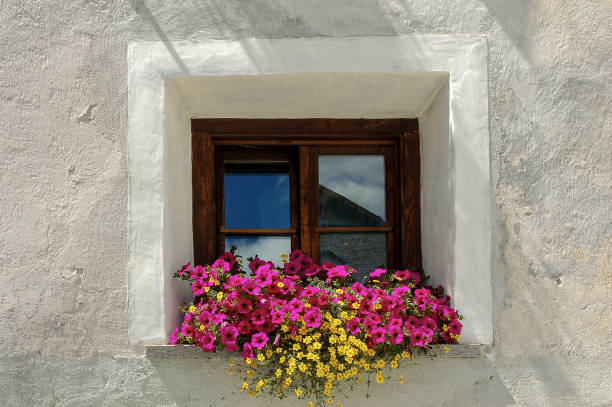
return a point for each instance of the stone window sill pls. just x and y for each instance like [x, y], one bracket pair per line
[194, 352]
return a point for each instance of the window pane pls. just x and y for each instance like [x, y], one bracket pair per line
[362, 251]
[268, 248]
[257, 196]
[352, 190]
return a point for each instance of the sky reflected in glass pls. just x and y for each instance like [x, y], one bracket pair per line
[257, 196]
[352, 190]
[268, 248]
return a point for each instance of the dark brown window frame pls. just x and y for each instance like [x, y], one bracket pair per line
[214, 140]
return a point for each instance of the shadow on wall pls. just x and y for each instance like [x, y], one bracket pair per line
[427, 382]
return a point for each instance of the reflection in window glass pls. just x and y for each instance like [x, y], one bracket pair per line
[268, 248]
[352, 190]
[362, 251]
[257, 196]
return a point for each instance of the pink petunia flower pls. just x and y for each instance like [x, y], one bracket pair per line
[292, 267]
[377, 273]
[244, 327]
[259, 340]
[244, 305]
[184, 269]
[221, 264]
[396, 334]
[378, 335]
[312, 318]
[247, 351]
[206, 340]
[174, 336]
[455, 327]
[352, 325]
[228, 334]
[337, 272]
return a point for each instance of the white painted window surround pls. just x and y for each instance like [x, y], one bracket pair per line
[441, 80]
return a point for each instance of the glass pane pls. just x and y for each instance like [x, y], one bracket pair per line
[268, 248]
[257, 196]
[362, 251]
[352, 190]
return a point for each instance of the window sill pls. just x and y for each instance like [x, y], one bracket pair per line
[194, 352]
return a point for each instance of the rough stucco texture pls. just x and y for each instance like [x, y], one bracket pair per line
[63, 189]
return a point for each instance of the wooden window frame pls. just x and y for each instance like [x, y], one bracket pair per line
[301, 141]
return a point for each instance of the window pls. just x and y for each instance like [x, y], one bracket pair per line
[342, 190]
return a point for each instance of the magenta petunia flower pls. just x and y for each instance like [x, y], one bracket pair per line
[429, 322]
[198, 287]
[311, 270]
[184, 269]
[312, 318]
[396, 334]
[228, 334]
[258, 317]
[229, 258]
[377, 273]
[255, 263]
[244, 327]
[221, 264]
[244, 305]
[277, 316]
[174, 336]
[310, 291]
[293, 267]
[323, 299]
[378, 335]
[198, 272]
[352, 325]
[295, 306]
[247, 351]
[186, 330]
[295, 254]
[337, 272]
[259, 340]
[206, 340]
[455, 327]
[422, 292]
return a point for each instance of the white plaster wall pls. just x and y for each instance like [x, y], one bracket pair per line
[64, 312]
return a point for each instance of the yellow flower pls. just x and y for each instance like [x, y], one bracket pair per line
[248, 361]
[282, 359]
[308, 339]
[446, 349]
[298, 392]
[340, 302]
[269, 353]
[231, 363]
[251, 393]
[249, 373]
[355, 305]
[261, 357]
[296, 347]
[339, 291]
[379, 377]
[310, 404]
[316, 345]
[330, 400]
[245, 386]
[219, 296]
[206, 289]
[393, 364]
[192, 309]
[280, 285]
[278, 372]
[230, 371]
[339, 404]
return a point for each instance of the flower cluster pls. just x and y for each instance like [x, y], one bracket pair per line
[302, 328]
